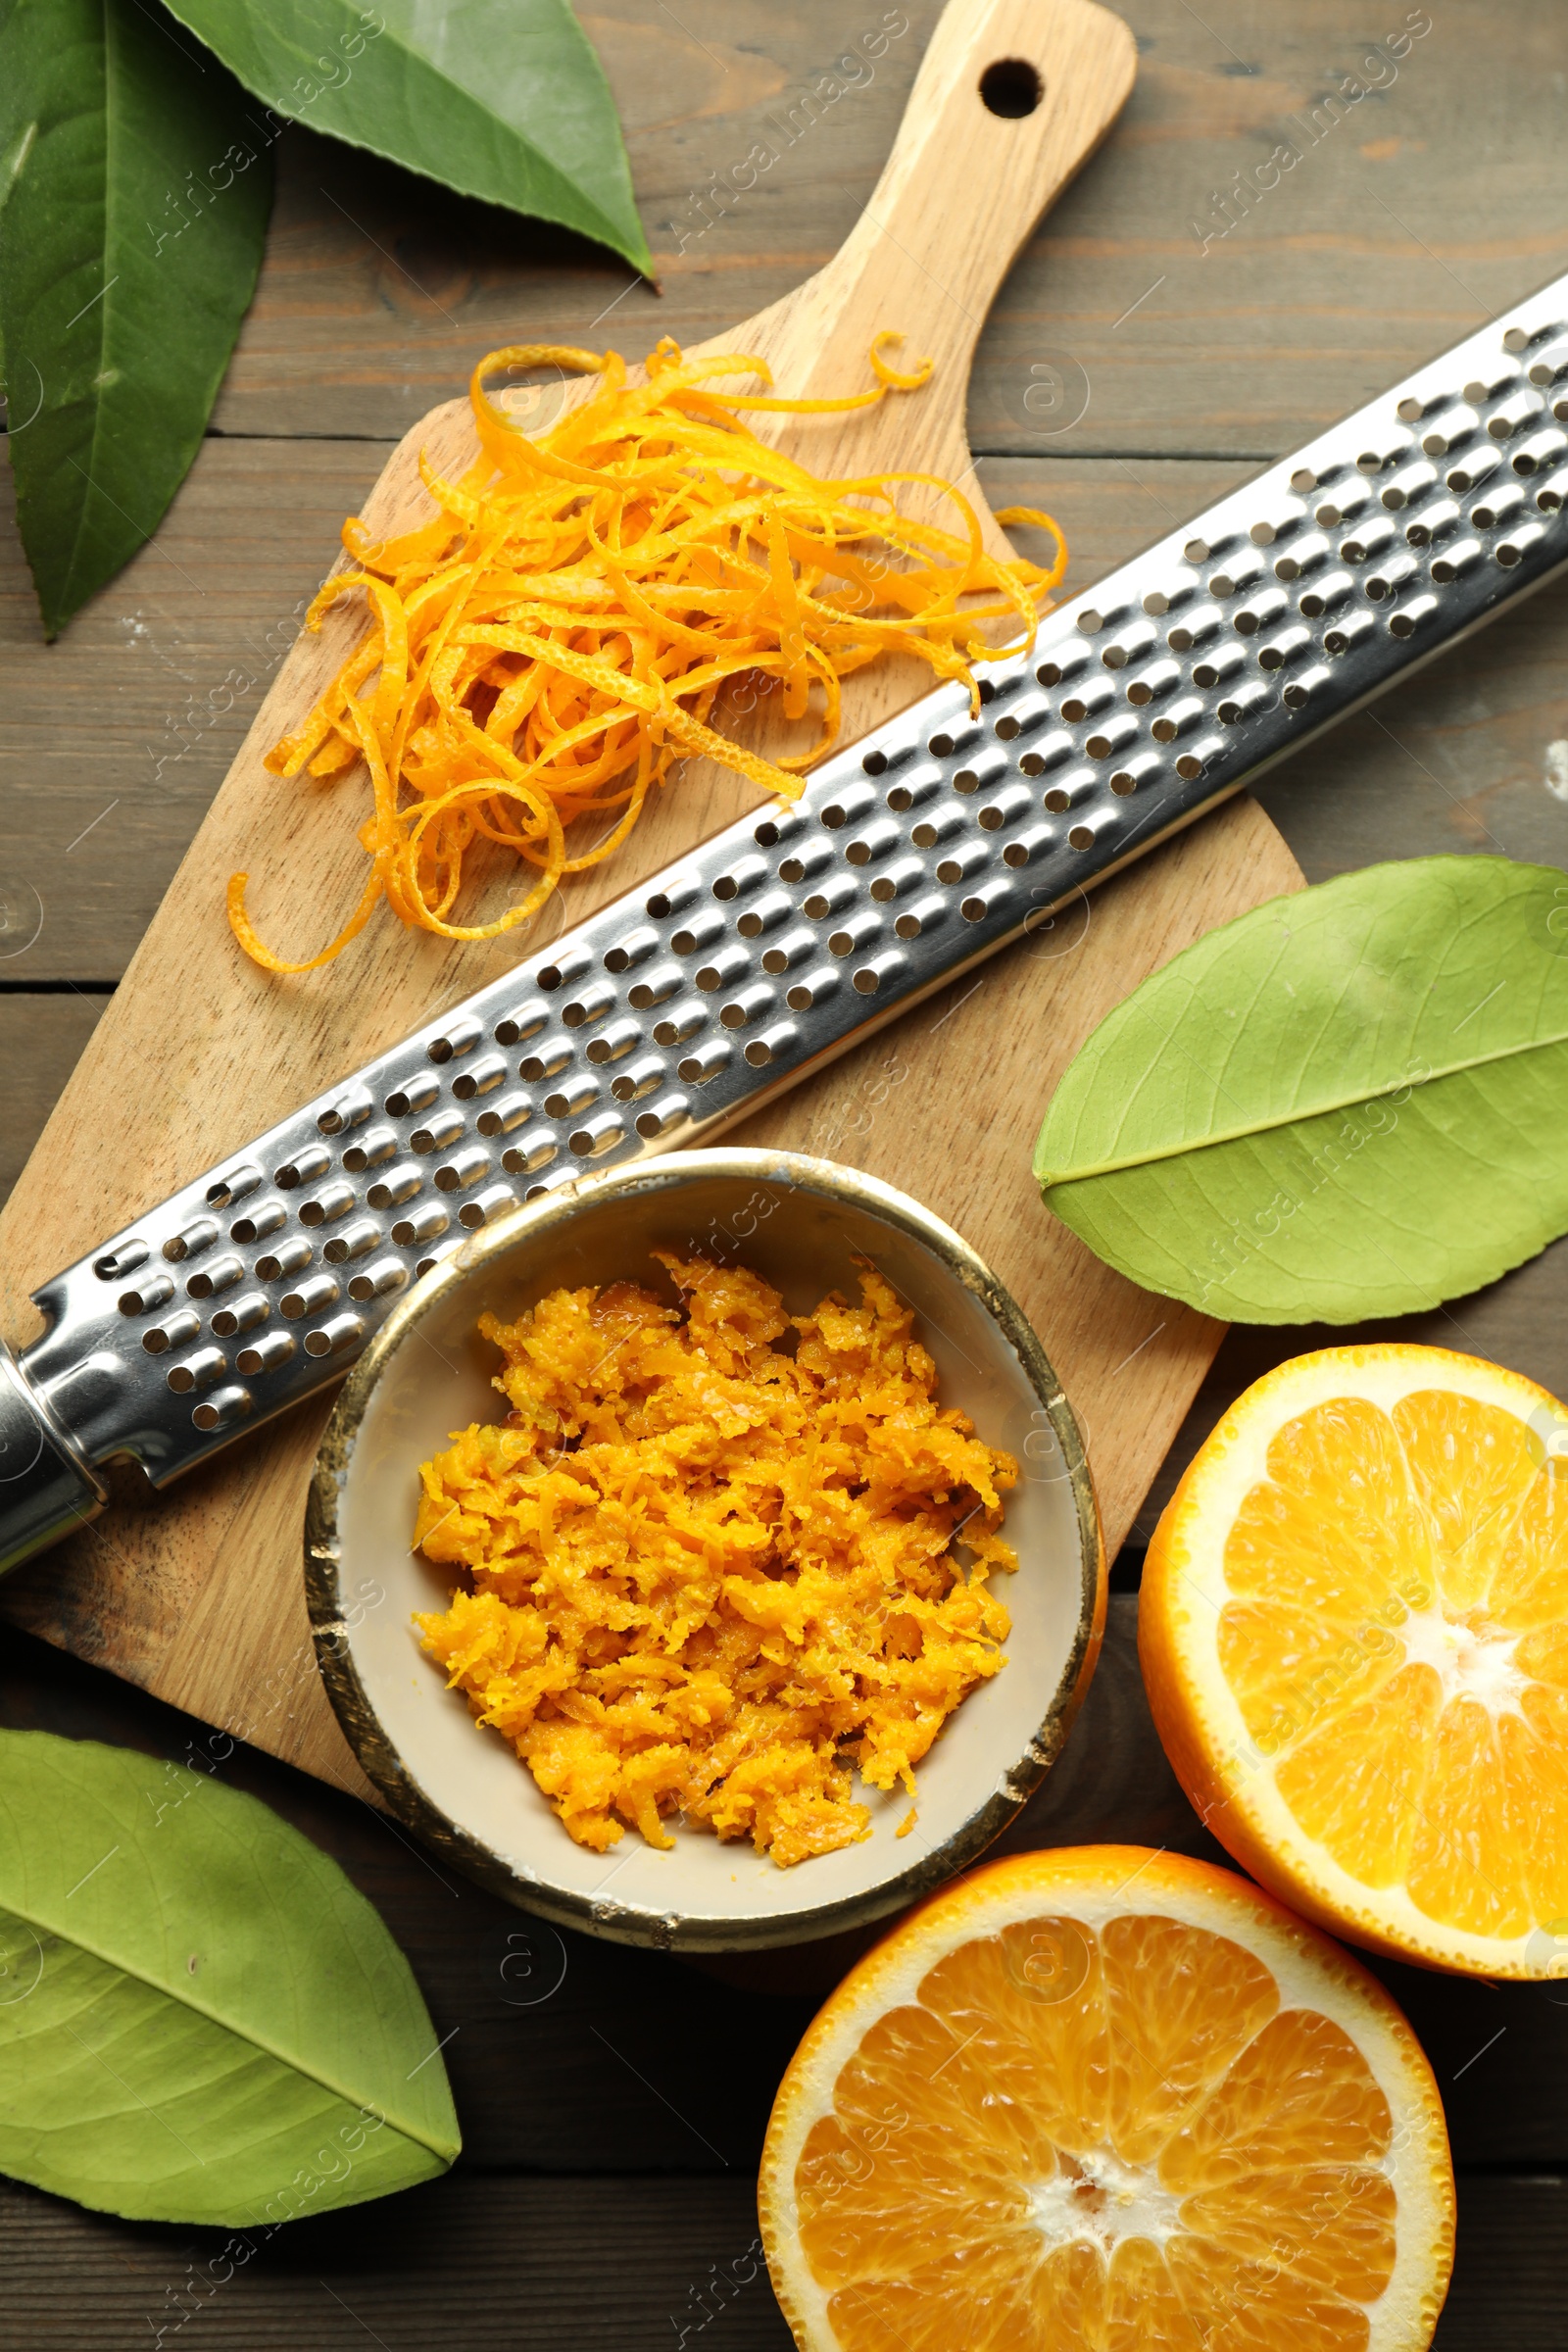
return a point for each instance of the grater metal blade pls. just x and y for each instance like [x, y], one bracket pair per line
[794, 933]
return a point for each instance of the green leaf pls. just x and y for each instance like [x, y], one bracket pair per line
[200, 2019]
[134, 233]
[500, 99]
[1346, 1104]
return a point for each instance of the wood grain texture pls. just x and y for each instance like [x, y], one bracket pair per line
[376, 293]
[570, 2055]
[503, 2265]
[947, 1101]
[507, 2266]
[41, 1040]
[199, 1597]
[1412, 212]
[645, 2084]
[114, 739]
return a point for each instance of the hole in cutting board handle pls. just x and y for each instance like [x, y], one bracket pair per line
[1011, 88]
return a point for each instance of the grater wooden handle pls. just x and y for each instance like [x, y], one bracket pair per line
[1012, 98]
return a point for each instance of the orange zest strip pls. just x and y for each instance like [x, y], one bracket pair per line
[550, 646]
[891, 376]
[259, 952]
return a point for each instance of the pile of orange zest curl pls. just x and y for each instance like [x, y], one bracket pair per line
[556, 637]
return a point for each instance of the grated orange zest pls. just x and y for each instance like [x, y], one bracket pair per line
[708, 1576]
[556, 637]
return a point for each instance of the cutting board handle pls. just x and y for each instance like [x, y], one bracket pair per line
[1012, 97]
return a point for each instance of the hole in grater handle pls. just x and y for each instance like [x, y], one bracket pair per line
[311, 1297]
[385, 1275]
[484, 1076]
[518, 1027]
[351, 1109]
[445, 1128]
[393, 1189]
[175, 1331]
[426, 1225]
[455, 1175]
[500, 1119]
[629, 1085]
[591, 1005]
[460, 1036]
[269, 1355]
[662, 1117]
[380, 1144]
[528, 1152]
[494, 1202]
[355, 1240]
[288, 1259]
[194, 1237]
[601, 1134]
[326, 1206]
[415, 1095]
[233, 1187]
[219, 1274]
[1011, 88]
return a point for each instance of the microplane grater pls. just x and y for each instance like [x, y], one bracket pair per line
[790, 936]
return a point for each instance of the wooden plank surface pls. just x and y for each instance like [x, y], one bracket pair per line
[163, 675]
[499, 2266]
[199, 1598]
[208, 613]
[538, 2091]
[1414, 212]
[613, 2123]
[41, 1038]
[197, 1595]
[366, 315]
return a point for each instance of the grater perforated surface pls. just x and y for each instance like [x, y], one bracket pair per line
[785, 939]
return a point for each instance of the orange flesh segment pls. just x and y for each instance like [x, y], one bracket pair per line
[1113, 2138]
[1393, 1640]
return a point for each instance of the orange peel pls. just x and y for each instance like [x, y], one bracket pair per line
[555, 639]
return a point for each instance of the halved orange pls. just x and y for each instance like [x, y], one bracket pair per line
[1354, 1628]
[1115, 2100]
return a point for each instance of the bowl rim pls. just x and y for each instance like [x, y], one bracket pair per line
[635, 1924]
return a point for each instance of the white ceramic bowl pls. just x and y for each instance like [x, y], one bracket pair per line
[801, 1223]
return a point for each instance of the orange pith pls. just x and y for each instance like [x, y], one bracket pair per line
[1107, 2123]
[1354, 1627]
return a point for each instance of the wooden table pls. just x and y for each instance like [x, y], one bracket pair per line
[1130, 372]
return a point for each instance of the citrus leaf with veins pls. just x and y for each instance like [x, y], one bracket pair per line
[135, 201]
[200, 2020]
[1346, 1104]
[500, 99]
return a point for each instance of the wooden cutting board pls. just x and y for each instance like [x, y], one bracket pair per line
[197, 1595]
